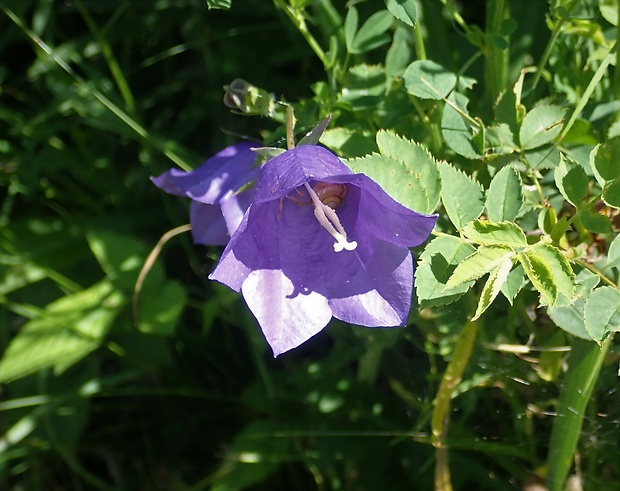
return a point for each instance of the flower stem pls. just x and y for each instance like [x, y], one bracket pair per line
[298, 19]
[443, 403]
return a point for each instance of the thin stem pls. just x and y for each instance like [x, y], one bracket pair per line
[297, 17]
[495, 66]
[443, 403]
[113, 65]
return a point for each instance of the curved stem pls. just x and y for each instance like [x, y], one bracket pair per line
[443, 403]
[300, 23]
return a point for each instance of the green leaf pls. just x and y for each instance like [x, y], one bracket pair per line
[428, 80]
[493, 286]
[484, 260]
[602, 313]
[549, 272]
[363, 87]
[512, 285]
[159, 313]
[219, 4]
[570, 316]
[348, 142]
[404, 10]
[419, 182]
[372, 33]
[120, 256]
[541, 125]
[461, 195]
[609, 11]
[435, 266]
[458, 132]
[572, 181]
[350, 27]
[611, 194]
[507, 234]
[604, 160]
[545, 157]
[399, 53]
[595, 222]
[67, 330]
[613, 254]
[498, 140]
[504, 196]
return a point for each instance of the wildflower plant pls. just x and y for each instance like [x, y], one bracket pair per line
[453, 170]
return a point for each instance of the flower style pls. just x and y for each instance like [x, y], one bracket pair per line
[217, 205]
[319, 241]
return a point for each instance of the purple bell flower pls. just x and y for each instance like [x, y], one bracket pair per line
[319, 241]
[217, 206]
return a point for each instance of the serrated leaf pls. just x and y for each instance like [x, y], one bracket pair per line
[505, 195]
[507, 234]
[414, 184]
[461, 195]
[404, 10]
[435, 266]
[68, 330]
[541, 125]
[611, 194]
[458, 132]
[428, 80]
[602, 313]
[512, 286]
[484, 260]
[498, 140]
[493, 286]
[570, 318]
[572, 181]
[605, 161]
[421, 182]
[372, 33]
[549, 272]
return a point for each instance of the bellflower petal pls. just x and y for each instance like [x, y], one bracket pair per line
[286, 321]
[217, 205]
[282, 256]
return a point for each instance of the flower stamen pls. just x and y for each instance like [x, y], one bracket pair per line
[329, 221]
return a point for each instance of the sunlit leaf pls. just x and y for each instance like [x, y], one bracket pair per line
[435, 266]
[504, 196]
[461, 195]
[541, 125]
[484, 260]
[507, 234]
[428, 80]
[404, 10]
[493, 286]
[602, 313]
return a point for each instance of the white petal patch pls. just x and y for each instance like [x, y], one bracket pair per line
[287, 318]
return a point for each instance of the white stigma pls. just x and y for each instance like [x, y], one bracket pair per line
[329, 221]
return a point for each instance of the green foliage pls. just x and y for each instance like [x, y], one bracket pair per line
[123, 368]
